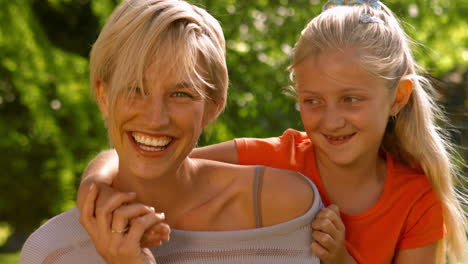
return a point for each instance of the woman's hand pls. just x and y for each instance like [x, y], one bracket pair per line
[117, 226]
[329, 237]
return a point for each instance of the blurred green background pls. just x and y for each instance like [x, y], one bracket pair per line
[50, 127]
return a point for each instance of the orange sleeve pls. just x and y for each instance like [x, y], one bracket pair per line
[277, 152]
[425, 223]
[254, 151]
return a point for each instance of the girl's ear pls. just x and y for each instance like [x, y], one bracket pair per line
[102, 98]
[403, 94]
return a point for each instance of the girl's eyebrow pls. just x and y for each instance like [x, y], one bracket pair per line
[344, 90]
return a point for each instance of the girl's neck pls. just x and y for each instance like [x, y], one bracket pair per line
[354, 188]
[367, 168]
[163, 192]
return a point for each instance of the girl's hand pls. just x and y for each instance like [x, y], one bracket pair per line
[329, 237]
[116, 227]
[101, 170]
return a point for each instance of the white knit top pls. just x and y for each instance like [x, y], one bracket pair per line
[63, 240]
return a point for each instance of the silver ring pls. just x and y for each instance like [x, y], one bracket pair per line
[120, 231]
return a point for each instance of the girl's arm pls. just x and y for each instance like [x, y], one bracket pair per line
[223, 152]
[101, 170]
[105, 166]
[424, 254]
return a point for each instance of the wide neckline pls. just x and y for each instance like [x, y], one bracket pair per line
[258, 233]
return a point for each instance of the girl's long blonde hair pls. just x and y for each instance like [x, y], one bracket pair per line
[414, 138]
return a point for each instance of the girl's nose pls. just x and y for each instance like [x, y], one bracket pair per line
[333, 119]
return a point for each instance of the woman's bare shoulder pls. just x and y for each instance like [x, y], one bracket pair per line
[285, 195]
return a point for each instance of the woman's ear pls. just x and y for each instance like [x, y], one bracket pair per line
[403, 94]
[212, 111]
[101, 95]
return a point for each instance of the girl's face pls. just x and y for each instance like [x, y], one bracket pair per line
[154, 133]
[344, 108]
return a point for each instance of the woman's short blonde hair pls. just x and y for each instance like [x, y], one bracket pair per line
[171, 36]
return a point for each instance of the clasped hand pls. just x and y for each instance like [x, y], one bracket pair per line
[122, 230]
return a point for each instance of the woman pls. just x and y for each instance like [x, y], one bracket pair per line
[159, 75]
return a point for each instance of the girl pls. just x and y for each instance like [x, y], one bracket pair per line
[372, 145]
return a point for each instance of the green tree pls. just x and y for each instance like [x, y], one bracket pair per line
[51, 128]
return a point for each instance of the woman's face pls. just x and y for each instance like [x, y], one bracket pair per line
[154, 133]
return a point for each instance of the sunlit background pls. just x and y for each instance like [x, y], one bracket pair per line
[50, 127]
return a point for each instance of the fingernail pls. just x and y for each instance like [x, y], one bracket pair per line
[161, 215]
[152, 208]
[132, 193]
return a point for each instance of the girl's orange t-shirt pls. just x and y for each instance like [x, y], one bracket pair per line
[407, 215]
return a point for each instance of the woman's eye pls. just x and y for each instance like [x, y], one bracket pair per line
[135, 90]
[182, 94]
[310, 101]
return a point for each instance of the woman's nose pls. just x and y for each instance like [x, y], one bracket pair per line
[156, 113]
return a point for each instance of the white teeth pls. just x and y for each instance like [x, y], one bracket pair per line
[337, 138]
[156, 142]
[150, 148]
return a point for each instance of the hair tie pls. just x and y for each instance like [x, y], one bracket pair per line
[364, 18]
[332, 3]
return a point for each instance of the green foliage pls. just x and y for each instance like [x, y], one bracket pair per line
[51, 128]
[9, 258]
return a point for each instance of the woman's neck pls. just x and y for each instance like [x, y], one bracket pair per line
[163, 192]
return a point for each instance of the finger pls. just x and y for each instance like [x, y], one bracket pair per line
[319, 251]
[333, 214]
[106, 206]
[122, 215]
[154, 242]
[156, 234]
[139, 225]
[82, 193]
[334, 208]
[325, 225]
[157, 238]
[164, 230]
[87, 218]
[324, 240]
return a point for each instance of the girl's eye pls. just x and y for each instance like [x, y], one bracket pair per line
[351, 99]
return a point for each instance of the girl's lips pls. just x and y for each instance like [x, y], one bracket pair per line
[338, 140]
